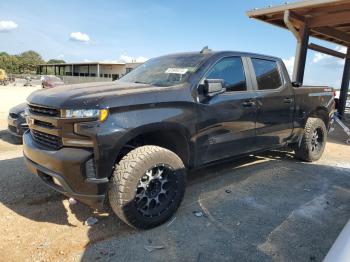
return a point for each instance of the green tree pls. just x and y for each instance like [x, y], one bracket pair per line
[24, 63]
[28, 61]
[9, 63]
[56, 61]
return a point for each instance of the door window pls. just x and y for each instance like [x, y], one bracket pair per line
[267, 74]
[231, 71]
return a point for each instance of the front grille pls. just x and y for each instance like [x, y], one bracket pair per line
[42, 123]
[52, 141]
[46, 111]
[13, 115]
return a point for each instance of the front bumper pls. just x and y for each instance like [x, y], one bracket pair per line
[64, 170]
[16, 126]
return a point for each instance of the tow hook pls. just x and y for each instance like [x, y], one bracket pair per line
[336, 119]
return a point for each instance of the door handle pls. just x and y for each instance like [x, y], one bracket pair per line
[288, 100]
[248, 103]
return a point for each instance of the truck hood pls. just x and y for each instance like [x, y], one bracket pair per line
[95, 95]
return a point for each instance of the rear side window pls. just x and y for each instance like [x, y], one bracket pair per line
[267, 74]
[230, 70]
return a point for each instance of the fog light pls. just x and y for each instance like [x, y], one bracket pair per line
[90, 169]
[56, 181]
[77, 142]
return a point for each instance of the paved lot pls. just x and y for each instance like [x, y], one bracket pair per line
[12, 95]
[268, 207]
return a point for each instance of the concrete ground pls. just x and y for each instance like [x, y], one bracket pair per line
[268, 207]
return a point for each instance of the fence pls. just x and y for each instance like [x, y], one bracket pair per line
[67, 79]
[83, 79]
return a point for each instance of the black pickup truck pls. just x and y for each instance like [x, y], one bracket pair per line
[131, 142]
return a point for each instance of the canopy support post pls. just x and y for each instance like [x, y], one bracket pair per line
[345, 85]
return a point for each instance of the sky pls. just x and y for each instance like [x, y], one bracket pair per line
[92, 30]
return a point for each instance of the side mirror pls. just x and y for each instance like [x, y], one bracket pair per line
[296, 84]
[213, 87]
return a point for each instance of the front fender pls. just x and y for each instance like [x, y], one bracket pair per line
[115, 133]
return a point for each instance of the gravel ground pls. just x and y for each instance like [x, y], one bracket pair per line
[12, 95]
[267, 207]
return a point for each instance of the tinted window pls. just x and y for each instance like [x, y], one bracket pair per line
[231, 71]
[267, 74]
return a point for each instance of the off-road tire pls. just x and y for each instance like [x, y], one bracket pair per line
[126, 179]
[305, 151]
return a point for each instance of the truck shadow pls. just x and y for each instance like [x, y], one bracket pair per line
[7, 137]
[259, 192]
[28, 196]
[257, 208]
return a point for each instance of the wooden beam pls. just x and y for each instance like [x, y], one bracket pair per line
[343, 28]
[295, 16]
[327, 51]
[330, 20]
[339, 35]
[293, 6]
[338, 7]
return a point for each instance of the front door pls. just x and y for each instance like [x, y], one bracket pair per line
[229, 128]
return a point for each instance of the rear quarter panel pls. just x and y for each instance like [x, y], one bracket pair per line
[309, 99]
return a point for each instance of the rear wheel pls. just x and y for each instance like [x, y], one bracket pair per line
[147, 186]
[313, 142]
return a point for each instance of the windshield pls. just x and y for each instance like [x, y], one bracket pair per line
[165, 71]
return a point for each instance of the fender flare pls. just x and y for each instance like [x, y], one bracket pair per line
[154, 127]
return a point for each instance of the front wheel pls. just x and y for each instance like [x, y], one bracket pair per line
[147, 186]
[313, 141]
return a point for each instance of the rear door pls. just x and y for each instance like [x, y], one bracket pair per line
[229, 127]
[275, 102]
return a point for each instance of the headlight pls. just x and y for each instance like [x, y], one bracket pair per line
[100, 114]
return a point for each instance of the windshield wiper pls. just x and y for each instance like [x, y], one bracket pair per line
[138, 82]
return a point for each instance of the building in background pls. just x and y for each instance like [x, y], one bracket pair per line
[87, 71]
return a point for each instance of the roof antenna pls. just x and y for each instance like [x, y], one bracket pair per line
[205, 50]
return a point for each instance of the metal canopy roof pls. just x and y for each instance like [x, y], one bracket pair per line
[326, 19]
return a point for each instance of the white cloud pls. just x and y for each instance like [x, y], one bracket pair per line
[129, 59]
[80, 37]
[289, 62]
[6, 26]
[341, 49]
[318, 57]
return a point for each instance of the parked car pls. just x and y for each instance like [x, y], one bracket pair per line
[50, 81]
[132, 141]
[16, 120]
